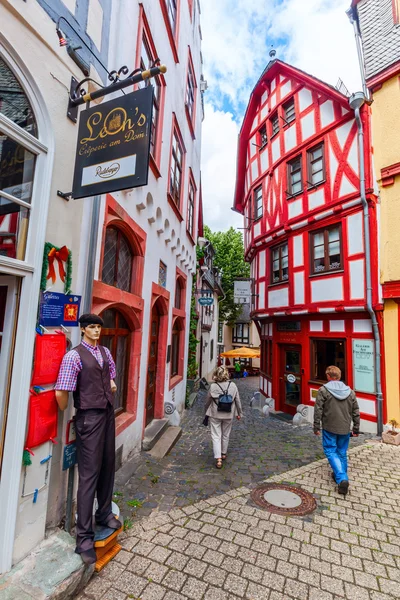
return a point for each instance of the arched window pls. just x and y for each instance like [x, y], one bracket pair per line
[115, 336]
[14, 103]
[176, 342]
[178, 293]
[117, 261]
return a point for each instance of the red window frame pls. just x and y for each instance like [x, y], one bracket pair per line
[191, 3]
[173, 36]
[191, 104]
[190, 222]
[178, 330]
[176, 200]
[145, 38]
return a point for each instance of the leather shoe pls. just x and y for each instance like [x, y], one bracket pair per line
[112, 523]
[89, 556]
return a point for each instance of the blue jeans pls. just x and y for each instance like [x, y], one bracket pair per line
[335, 447]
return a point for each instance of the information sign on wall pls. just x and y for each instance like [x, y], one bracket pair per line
[242, 291]
[364, 366]
[114, 145]
[58, 309]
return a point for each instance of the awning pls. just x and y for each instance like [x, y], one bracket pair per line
[242, 353]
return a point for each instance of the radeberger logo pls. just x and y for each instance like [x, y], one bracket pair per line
[107, 172]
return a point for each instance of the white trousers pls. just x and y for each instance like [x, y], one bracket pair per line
[220, 432]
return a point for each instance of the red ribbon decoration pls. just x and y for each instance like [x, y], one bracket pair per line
[61, 256]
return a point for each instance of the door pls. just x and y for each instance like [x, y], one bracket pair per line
[152, 365]
[290, 378]
[9, 290]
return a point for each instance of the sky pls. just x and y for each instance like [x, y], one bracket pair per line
[314, 35]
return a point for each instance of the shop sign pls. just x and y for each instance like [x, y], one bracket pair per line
[58, 309]
[364, 366]
[289, 326]
[114, 145]
[206, 301]
[69, 457]
[242, 291]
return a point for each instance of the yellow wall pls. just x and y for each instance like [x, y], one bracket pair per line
[386, 144]
[391, 327]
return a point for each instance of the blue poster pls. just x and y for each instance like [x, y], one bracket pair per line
[69, 458]
[58, 309]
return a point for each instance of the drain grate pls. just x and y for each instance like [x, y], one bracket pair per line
[283, 499]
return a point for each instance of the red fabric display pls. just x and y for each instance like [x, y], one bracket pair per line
[43, 415]
[49, 352]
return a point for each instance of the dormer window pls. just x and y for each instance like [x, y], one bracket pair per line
[289, 113]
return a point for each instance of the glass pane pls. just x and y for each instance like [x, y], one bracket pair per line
[13, 101]
[318, 239]
[292, 393]
[329, 352]
[110, 254]
[17, 168]
[334, 234]
[319, 252]
[285, 262]
[296, 187]
[109, 318]
[124, 265]
[319, 265]
[292, 361]
[121, 322]
[317, 153]
[14, 222]
[120, 364]
[334, 249]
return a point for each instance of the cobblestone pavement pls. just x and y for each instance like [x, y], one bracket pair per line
[259, 447]
[226, 548]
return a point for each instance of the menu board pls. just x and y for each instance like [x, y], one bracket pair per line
[49, 352]
[364, 366]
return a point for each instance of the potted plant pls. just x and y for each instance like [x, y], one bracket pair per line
[392, 436]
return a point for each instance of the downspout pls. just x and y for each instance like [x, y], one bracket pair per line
[351, 13]
[356, 101]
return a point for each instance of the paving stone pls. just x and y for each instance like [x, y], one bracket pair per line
[273, 581]
[160, 554]
[309, 577]
[343, 573]
[177, 561]
[257, 592]
[215, 576]
[297, 590]
[153, 592]
[195, 567]
[335, 586]
[174, 580]
[138, 565]
[253, 573]
[130, 584]
[194, 588]
[354, 592]
[155, 572]
[366, 580]
[236, 585]
[216, 594]
[232, 565]
[317, 594]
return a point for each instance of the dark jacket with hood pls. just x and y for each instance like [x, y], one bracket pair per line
[336, 407]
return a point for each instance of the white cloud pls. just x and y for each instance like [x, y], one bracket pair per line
[313, 35]
[219, 141]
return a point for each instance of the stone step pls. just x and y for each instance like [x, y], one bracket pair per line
[166, 442]
[153, 432]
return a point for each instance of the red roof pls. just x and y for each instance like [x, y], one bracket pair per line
[275, 67]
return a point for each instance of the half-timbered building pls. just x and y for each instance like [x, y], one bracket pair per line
[298, 187]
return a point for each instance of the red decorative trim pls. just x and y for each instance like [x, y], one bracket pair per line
[191, 234]
[391, 290]
[144, 32]
[175, 129]
[173, 39]
[191, 120]
[389, 173]
[375, 83]
[174, 207]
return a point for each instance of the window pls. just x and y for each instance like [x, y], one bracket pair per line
[191, 201]
[326, 250]
[275, 124]
[14, 103]
[266, 357]
[211, 350]
[115, 335]
[177, 347]
[176, 169]
[147, 59]
[325, 353]
[178, 293]
[258, 202]
[262, 136]
[172, 14]
[315, 165]
[295, 182]
[240, 333]
[162, 274]
[190, 100]
[220, 332]
[289, 112]
[117, 260]
[280, 264]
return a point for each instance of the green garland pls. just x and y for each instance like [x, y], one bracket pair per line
[45, 268]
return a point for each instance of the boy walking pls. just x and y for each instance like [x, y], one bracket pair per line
[336, 407]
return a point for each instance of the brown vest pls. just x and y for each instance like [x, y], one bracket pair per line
[93, 389]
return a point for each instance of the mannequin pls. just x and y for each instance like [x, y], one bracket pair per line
[89, 371]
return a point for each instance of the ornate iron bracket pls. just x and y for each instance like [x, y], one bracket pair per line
[79, 95]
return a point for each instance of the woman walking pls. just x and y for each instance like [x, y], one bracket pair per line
[222, 406]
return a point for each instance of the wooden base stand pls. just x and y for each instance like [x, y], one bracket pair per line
[106, 549]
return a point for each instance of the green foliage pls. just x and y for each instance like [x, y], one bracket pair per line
[135, 503]
[128, 523]
[192, 368]
[229, 258]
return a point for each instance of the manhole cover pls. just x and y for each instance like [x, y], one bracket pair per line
[284, 499]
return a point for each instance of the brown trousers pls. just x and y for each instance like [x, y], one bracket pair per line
[95, 445]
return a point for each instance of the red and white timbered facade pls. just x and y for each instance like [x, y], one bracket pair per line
[299, 191]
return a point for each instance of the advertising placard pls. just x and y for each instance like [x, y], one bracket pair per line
[114, 144]
[206, 301]
[242, 291]
[58, 309]
[364, 366]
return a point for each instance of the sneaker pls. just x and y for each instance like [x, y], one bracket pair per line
[343, 487]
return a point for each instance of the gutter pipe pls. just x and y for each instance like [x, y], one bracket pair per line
[356, 101]
[351, 13]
